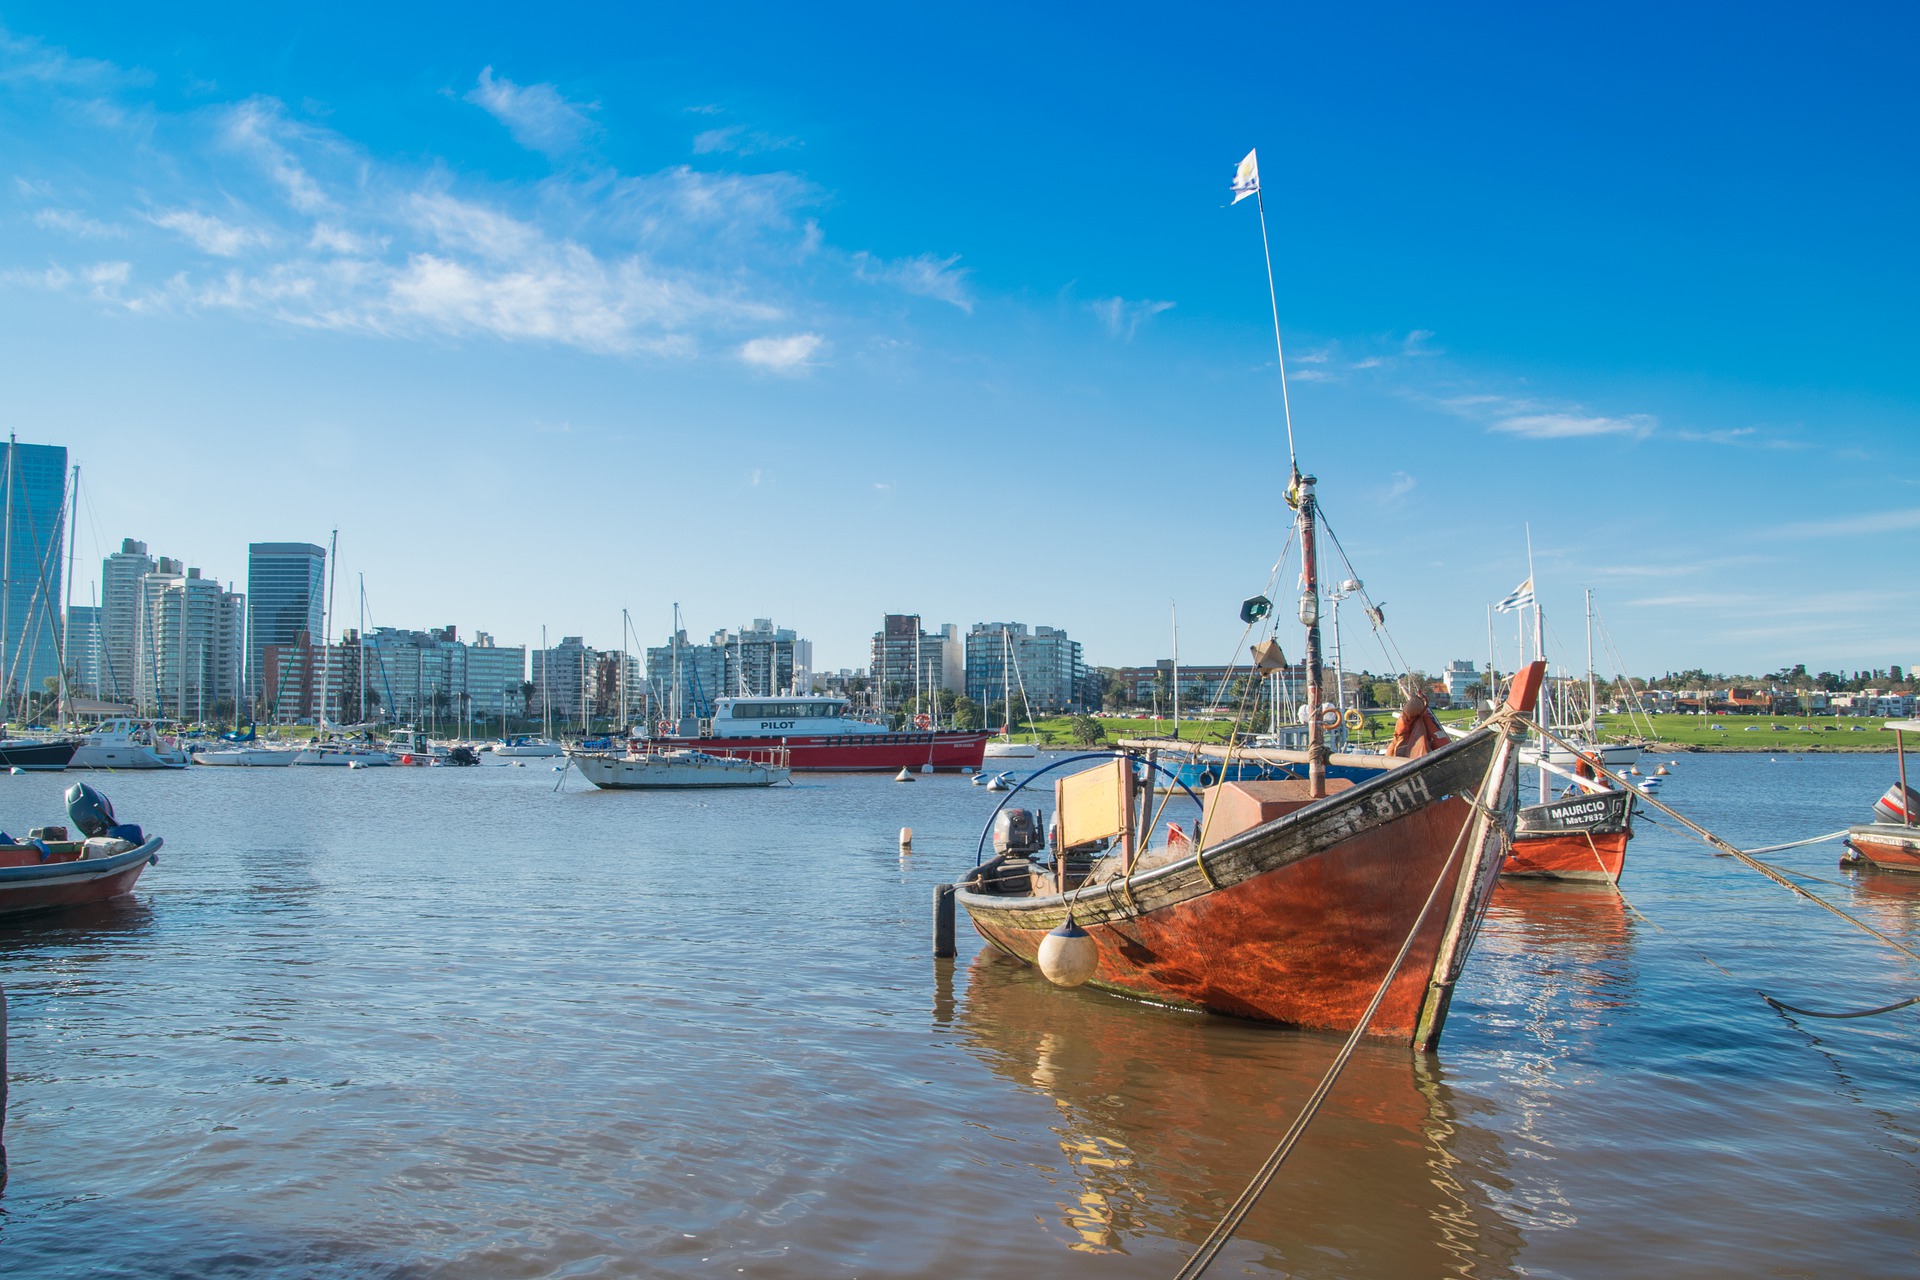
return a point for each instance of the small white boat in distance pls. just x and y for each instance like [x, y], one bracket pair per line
[341, 755]
[644, 769]
[128, 744]
[1003, 749]
[252, 757]
[1614, 755]
[523, 747]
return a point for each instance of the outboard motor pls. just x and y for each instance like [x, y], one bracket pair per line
[1017, 832]
[93, 814]
[90, 811]
[462, 755]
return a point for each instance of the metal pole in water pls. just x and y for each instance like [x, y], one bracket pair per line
[943, 948]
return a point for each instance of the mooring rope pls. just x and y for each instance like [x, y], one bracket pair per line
[1203, 1257]
[1841, 834]
[1776, 874]
[1713, 841]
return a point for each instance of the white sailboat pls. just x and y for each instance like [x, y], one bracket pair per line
[1004, 747]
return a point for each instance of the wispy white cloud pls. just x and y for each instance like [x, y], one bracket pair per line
[25, 60]
[207, 233]
[740, 140]
[1123, 317]
[927, 275]
[794, 353]
[78, 224]
[1854, 526]
[537, 116]
[1568, 426]
[1402, 485]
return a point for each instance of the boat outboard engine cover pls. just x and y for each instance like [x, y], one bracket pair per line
[90, 811]
[1017, 831]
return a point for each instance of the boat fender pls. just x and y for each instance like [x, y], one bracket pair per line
[89, 810]
[1068, 956]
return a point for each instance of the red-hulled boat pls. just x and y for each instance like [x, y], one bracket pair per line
[48, 871]
[1296, 918]
[1582, 837]
[819, 735]
[1892, 841]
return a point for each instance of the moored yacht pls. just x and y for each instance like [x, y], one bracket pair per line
[128, 744]
[819, 734]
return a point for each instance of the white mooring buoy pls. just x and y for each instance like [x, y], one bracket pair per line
[927, 767]
[1068, 956]
[979, 779]
[906, 837]
[903, 776]
[1661, 771]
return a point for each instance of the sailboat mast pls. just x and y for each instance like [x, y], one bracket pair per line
[6, 592]
[1301, 492]
[1175, 610]
[623, 670]
[1593, 709]
[363, 648]
[326, 628]
[66, 621]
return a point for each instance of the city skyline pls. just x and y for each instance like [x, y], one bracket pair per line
[519, 320]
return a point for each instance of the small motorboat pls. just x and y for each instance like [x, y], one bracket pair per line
[1891, 842]
[355, 755]
[128, 744]
[647, 768]
[523, 747]
[36, 754]
[249, 757]
[49, 870]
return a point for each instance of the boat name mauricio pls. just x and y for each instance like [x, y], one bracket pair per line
[776, 724]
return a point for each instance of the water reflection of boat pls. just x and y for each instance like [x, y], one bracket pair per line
[1162, 1119]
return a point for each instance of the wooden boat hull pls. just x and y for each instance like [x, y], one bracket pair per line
[1578, 838]
[1303, 914]
[50, 886]
[1887, 846]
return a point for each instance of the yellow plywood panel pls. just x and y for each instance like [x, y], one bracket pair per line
[1093, 804]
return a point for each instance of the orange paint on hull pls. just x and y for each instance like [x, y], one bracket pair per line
[1573, 855]
[1305, 944]
[1887, 847]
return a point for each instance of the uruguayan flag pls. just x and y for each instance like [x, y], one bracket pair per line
[1246, 178]
[1521, 598]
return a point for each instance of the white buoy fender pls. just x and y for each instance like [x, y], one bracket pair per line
[903, 776]
[927, 767]
[906, 837]
[979, 779]
[1068, 956]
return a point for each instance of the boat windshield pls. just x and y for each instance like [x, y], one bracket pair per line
[785, 710]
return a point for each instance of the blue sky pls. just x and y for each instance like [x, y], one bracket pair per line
[780, 313]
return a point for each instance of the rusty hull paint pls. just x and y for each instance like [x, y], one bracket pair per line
[1305, 944]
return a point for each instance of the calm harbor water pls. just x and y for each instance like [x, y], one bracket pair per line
[448, 1023]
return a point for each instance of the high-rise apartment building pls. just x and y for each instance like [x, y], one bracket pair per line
[33, 495]
[188, 663]
[1044, 664]
[429, 678]
[83, 649]
[121, 618]
[906, 659]
[286, 595]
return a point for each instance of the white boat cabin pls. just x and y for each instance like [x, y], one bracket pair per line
[792, 716]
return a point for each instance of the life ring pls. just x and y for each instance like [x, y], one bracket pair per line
[1354, 719]
[666, 728]
[1329, 716]
[1206, 778]
[923, 721]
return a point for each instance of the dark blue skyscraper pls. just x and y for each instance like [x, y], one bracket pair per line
[286, 592]
[33, 493]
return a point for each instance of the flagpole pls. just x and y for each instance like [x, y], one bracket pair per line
[1273, 300]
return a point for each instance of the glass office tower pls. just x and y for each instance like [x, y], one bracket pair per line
[286, 596]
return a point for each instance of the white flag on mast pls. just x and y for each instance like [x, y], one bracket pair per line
[1246, 178]
[1520, 598]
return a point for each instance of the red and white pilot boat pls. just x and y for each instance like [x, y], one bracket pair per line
[819, 735]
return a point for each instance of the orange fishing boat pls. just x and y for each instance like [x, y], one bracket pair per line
[1581, 837]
